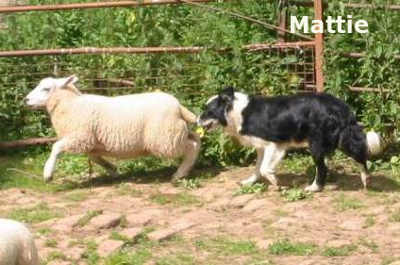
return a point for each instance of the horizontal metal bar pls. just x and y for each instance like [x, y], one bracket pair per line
[25, 8]
[361, 55]
[145, 50]
[368, 89]
[92, 50]
[348, 5]
[372, 6]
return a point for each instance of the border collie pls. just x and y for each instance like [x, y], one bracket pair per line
[272, 125]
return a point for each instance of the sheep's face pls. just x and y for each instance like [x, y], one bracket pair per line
[216, 110]
[38, 97]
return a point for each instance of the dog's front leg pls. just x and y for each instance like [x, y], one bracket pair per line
[273, 154]
[256, 176]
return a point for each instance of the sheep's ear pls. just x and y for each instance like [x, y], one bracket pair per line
[228, 94]
[70, 80]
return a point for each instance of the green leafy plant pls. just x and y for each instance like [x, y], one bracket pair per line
[250, 189]
[294, 194]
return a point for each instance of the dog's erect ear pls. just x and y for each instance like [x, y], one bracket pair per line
[228, 94]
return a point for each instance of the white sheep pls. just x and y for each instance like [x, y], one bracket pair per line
[17, 246]
[122, 127]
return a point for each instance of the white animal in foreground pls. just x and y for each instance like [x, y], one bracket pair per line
[122, 127]
[17, 246]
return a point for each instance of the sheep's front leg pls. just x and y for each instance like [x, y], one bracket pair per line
[58, 148]
[192, 149]
[109, 167]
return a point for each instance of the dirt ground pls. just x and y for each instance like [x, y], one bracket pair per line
[141, 222]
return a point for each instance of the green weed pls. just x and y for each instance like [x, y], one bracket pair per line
[285, 247]
[250, 189]
[36, 214]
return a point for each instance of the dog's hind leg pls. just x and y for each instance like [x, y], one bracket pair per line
[256, 176]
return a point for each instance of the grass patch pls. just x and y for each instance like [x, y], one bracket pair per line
[181, 259]
[77, 196]
[343, 203]
[33, 215]
[345, 250]
[84, 220]
[369, 244]
[189, 184]
[45, 231]
[250, 189]
[127, 258]
[126, 189]
[90, 254]
[280, 213]
[56, 255]
[179, 199]
[51, 243]
[295, 194]
[395, 216]
[228, 246]
[369, 221]
[24, 169]
[117, 236]
[285, 247]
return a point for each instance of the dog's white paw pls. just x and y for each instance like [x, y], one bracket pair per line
[47, 176]
[48, 172]
[313, 188]
[249, 181]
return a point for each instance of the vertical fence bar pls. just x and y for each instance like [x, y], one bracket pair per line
[319, 48]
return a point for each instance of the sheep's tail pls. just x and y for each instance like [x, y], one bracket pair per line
[187, 115]
[374, 143]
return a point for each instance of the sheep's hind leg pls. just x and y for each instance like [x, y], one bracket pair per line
[58, 148]
[109, 167]
[191, 149]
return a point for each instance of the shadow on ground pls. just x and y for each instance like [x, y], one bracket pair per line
[162, 175]
[345, 182]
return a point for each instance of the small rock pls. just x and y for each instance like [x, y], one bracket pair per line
[254, 205]
[138, 219]
[166, 233]
[352, 224]
[337, 243]
[263, 243]
[105, 221]
[219, 204]
[108, 246]
[131, 233]
[67, 224]
[240, 201]
[284, 222]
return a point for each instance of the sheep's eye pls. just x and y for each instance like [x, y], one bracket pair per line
[46, 89]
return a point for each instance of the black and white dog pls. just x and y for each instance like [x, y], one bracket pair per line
[273, 125]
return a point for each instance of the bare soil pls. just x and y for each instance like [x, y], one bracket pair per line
[345, 225]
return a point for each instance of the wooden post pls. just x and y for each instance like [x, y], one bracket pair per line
[319, 48]
[282, 20]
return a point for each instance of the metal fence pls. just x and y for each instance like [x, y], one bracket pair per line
[309, 50]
